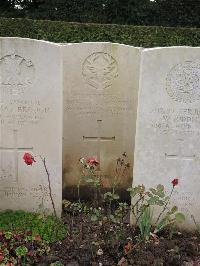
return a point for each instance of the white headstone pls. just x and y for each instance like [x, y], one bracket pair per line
[30, 121]
[100, 102]
[168, 125]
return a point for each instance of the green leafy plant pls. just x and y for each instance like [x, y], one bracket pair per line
[110, 197]
[143, 205]
[120, 212]
[96, 214]
[21, 248]
[60, 31]
[122, 165]
[90, 176]
[145, 223]
[39, 224]
[112, 211]
[21, 251]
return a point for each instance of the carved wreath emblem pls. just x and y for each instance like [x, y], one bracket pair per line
[99, 70]
[183, 82]
[16, 71]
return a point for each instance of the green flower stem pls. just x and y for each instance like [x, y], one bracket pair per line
[165, 206]
[140, 215]
[136, 205]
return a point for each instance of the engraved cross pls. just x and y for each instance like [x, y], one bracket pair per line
[180, 155]
[99, 138]
[15, 150]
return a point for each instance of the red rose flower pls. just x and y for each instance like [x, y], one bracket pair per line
[28, 158]
[175, 182]
[1, 257]
[92, 161]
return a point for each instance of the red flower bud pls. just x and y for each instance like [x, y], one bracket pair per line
[28, 158]
[92, 161]
[175, 182]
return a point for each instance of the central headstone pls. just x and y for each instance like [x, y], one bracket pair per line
[168, 126]
[100, 103]
[30, 122]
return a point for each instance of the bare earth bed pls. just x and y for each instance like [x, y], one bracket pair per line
[93, 240]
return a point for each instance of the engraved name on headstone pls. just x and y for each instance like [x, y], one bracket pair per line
[100, 102]
[30, 121]
[168, 125]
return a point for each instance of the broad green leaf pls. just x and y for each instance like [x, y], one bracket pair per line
[163, 223]
[155, 201]
[8, 235]
[133, 191]
[180, 217]
[160, 187]
[161, 194]
[153, 190]
[107, 195]
[159, 191]
[115, 196]
[21, 251]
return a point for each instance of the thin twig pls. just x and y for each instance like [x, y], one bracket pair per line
[49, 182]
[192, 216]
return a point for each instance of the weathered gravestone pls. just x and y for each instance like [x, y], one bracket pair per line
[168, 125]
[100, 102]
[30, 121]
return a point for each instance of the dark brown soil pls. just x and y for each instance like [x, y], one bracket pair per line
[107, 243]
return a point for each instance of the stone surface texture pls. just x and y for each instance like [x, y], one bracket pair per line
[100, 102]
[30, 121]
[168, 125]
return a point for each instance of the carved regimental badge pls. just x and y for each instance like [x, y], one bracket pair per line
[99, 70]
[16, 73]
[183, 82]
